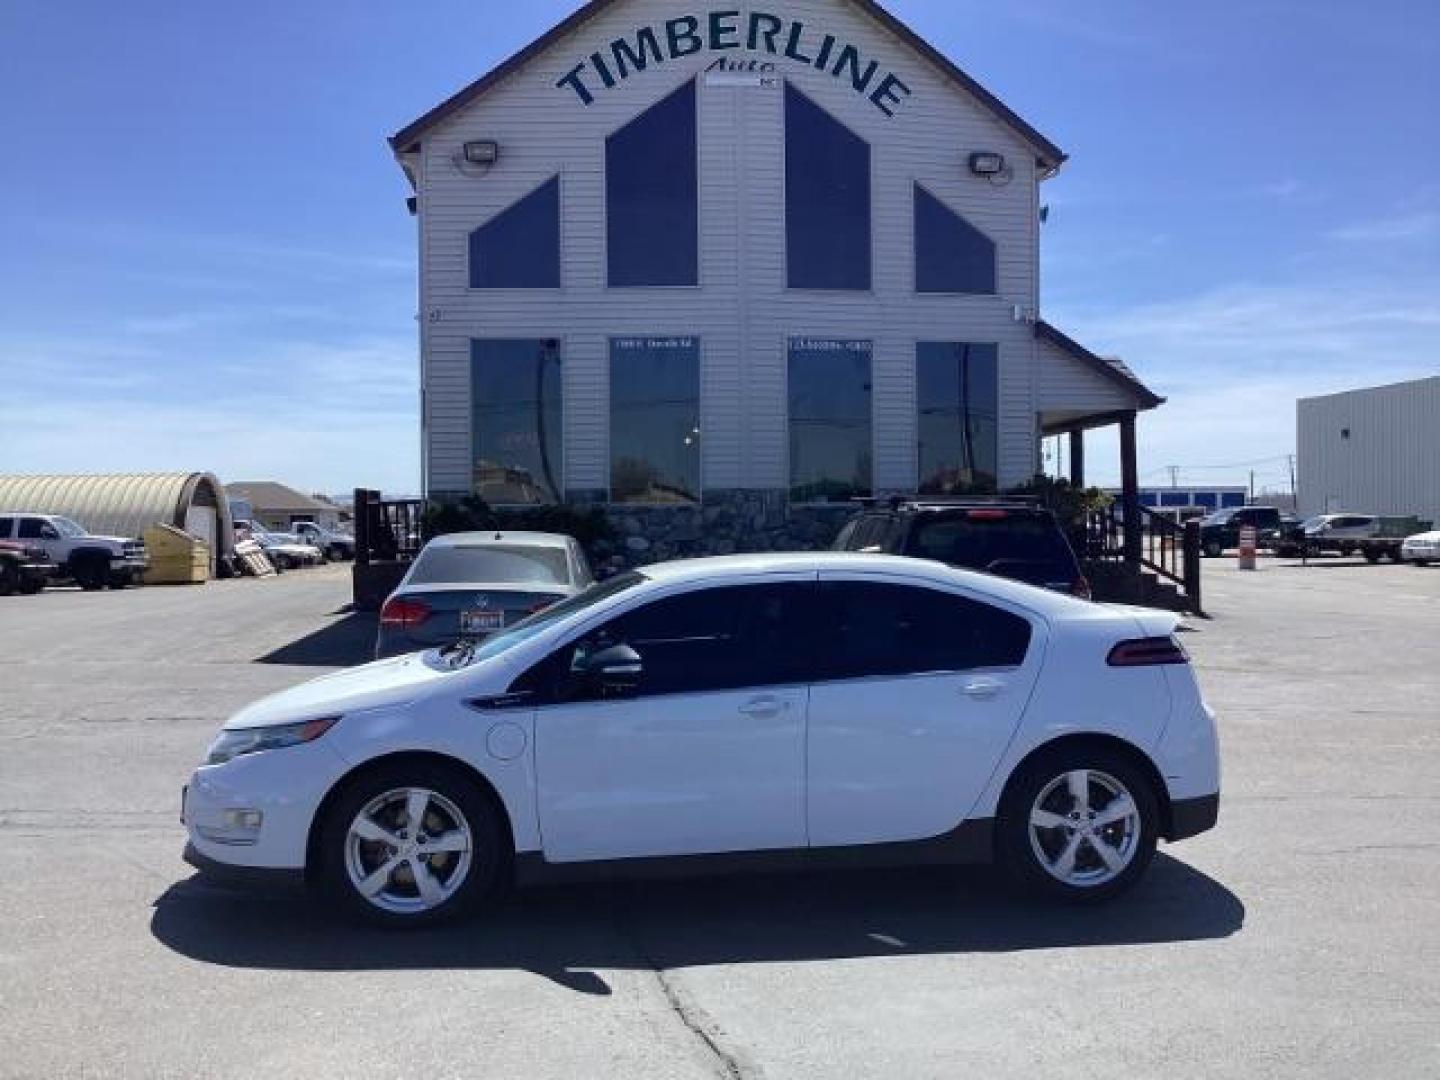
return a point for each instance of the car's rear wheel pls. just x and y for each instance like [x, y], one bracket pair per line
[1079, 823]
[411, 845]
[9, 578]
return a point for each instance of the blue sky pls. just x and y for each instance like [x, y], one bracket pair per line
[209, 264]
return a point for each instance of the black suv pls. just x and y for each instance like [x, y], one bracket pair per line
[1221, 530]
[1011, 539]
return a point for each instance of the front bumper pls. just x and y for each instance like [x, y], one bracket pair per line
[271, 879]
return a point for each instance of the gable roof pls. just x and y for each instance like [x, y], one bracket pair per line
[1046, 152]
[1116, 370]
[266, 495]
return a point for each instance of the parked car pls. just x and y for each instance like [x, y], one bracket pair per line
[1220, 531]
[776, 707]
[284, 550]
[1421, 549]
[92, 562]
[1012, 539]
[24, 569]
[467, 586]
[336, 546]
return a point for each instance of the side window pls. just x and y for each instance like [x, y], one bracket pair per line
[6, 526]
[704, 641]
[880, 629]
[32, 529]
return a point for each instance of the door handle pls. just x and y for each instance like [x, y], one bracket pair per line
[764, 708]
[983, 689]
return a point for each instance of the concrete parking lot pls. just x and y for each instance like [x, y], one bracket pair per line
[1301, 938]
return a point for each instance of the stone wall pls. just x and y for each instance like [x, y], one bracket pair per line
[728, 522]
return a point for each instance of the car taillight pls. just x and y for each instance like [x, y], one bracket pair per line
[1081, 588]
[399, 611]
[1148, 652]
[987, 515]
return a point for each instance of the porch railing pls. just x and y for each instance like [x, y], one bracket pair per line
[1166, 549]
[386, 530]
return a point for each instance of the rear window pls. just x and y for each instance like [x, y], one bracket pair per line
[490, 564]
[998, 544]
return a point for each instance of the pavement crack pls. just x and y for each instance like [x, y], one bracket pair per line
[729, 1063]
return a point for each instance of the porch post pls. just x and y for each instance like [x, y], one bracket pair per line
[1130, 489]
[1077, 458]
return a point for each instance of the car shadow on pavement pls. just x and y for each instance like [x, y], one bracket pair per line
[569, 934]
[346, 642]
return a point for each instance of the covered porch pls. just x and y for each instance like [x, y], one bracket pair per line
[1126, 545]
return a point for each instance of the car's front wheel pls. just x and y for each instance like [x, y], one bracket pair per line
[1080, 823]
[411, 845]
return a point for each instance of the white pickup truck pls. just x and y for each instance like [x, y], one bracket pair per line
[91, 561]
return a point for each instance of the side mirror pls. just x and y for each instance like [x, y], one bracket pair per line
[614, 671]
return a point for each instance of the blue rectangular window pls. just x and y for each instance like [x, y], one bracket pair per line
[831, 450]
[655, 420]
[827, 199]
[958, 396]
[951, 255]
[519, 248]
[516, 421]
[1230, 499]
[652, 182]
[1175, 498]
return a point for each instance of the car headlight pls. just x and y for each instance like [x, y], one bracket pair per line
[229, 745]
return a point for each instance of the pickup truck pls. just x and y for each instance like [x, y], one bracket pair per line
[92, 562]
[23, 568]
[1371, 535]
[337, 546]
[1220, 531]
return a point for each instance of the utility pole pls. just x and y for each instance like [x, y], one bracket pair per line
[1174, 475]
[1252, 485]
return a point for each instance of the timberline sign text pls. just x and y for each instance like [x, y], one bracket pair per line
[759, 33]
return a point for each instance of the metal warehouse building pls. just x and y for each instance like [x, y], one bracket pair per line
[127, 504]
[1372, 451]
[719, 269]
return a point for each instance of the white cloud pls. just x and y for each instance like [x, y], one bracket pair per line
[1233, 362]
[1417, 226]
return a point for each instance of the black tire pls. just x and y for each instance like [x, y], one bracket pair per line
[9, 578]
[1422, 562]
[90, 572]
[1214, 549]
[32, 584]
[1372, 556]
[490, 858]
[1016, 851]
[122, 579]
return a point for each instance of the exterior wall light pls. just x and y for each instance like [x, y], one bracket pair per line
[485, 152]
[987, 163]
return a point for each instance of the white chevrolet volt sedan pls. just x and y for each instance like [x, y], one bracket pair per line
[751, 711]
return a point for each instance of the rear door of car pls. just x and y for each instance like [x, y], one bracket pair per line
[918, 692]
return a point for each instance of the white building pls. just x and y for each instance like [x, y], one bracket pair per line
[1372, 451]
[733, 265]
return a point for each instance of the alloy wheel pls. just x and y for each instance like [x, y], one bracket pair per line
[1085, 828]
[408, 851]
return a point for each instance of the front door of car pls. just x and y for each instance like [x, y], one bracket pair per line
[707, 756]
[918, 694]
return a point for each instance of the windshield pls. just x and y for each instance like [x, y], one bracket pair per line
[1314, 522]
[67, 527]
[491, 564]
[524, 631]
[1219, 518]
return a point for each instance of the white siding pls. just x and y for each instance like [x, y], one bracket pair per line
[1390, 464]
[1063, 384]
[742, 311]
